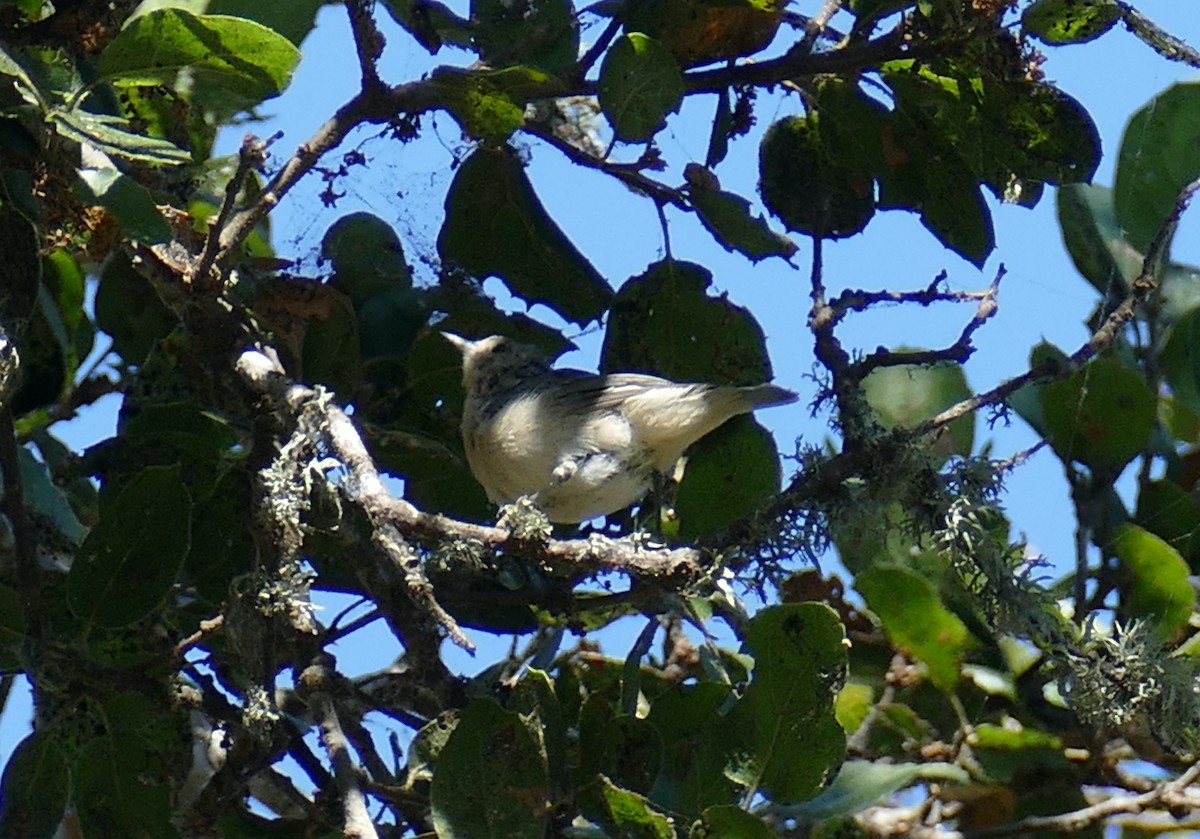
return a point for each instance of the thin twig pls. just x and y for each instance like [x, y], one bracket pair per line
[251, 156]
[1103, 338]
[1077, 820]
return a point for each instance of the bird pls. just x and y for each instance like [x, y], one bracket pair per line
[580, 445]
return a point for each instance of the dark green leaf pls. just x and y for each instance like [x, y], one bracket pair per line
[788, 741]
[114, 790]
[1094, 239]
[640, 84]
[1101, 415]
[234, 54]
[1070, 21]
[700, 32]
[1171, 513]
[131, 559]
[662, 322]
[1159, 156]
[729, 474]
[26, 87]
[725, 821]
[129, 201]
[915, 619]
[34, 788]
[12, 632]
[130, 311]
[728, 218]
[495, 225]
[806, 187]
[696, 746]
[543, 35]
[1154, 581]
[431, 23]
[490, 779]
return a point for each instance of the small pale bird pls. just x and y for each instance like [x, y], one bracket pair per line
[581, 445]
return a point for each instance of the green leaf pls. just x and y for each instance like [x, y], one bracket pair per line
[1168, 511]
[1070, 21]
[1154, 582]
[130, 311]
[1095, 241]
[233, 54]
[34, 788]
[431, 23]
[495, 225]
[730, 473]
[809, 189]
[130, 202]
[787, 741]
[728, 218]
[26, 87]
[662, 320]
[114, 790]
[490, 779]
[293, 19]
[132, 558]
[543, 35]
[725, 821]
[488, 105]
[1159, 156]
[12, 634]
[109, 135]
[640, 84]
[906, 395]
[862, 783]
[698, 32]
[630, 814]
[1101, 415]
[45, 498]
[696, 745]
[914, 618]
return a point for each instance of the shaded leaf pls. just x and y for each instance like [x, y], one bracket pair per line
[640, 84]
[700, 32]
[293, 19]
[788, 742]
[132, 557]
[1101, 415]
[34, 788]
[1095, 241]
[490, 778]
[730, 473]
[496, 226]
[726, 821]
[728, 218]
[806, 187]
[129, 201]
[431, 23]
[1159, 156]
[542, 34]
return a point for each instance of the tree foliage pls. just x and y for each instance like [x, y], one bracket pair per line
[157, 589]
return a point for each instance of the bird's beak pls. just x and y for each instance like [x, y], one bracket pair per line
[460, 343]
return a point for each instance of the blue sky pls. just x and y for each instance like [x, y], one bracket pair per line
[1042, 297]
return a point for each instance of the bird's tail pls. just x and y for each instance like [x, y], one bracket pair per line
[762, 395]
